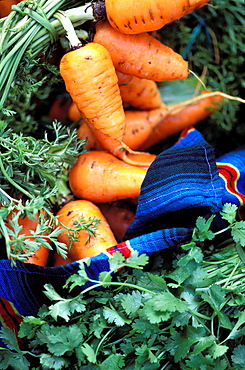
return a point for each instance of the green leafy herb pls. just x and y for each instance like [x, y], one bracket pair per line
[191, 317]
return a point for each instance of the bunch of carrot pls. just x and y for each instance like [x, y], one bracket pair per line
[112, 82]
[113, 85]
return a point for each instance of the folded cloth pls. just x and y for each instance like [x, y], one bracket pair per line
[181, 178]
[183, 182]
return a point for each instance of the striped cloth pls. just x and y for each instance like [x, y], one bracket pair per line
[184, 182]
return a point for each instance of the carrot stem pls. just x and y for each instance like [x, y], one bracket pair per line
[175, 108]
[7, 196]
[68, 27]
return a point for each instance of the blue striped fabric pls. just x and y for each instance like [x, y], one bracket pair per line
[181, 184]
[183, 177]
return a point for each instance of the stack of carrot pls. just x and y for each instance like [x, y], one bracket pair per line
[112, 82]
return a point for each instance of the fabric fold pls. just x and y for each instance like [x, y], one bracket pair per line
[181, 178]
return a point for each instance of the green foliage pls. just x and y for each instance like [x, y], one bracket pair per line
[37, 169]
[190, 318]
[33, 85]
[212, 40]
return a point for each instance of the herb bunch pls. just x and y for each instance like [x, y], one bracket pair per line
[188, 317]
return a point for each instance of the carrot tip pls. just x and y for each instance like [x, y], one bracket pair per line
[135, 158]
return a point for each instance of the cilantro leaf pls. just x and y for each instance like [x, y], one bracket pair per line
[113, 362]
[144, 327]
[9, 338]
[202, 230]
[14, 360]
[214, 295]
[49, 361]
[29, 326]
[64, 339]
[203, 343]
[236, 332]
[238, 232]
[206, 363]
[238, 357]
[136, 260]
[89, 352]
[228, 212]
[184, 341]
[66, 307]
[218, 350]
[12, 355]
[131, 302]
[166, 301]
[112, 316]
[154, 316]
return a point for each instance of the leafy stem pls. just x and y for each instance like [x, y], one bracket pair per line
[12, 182]
[98, 284]
[6, 236]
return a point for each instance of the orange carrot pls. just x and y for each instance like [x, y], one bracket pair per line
[40, 257]
[141, 55]
[139, 93]
[74, 113]
[5, 7]
[187, 116]
[91, 80]
[143, 129]
[82, 247]
[138, 127]
[60, 108]
[58, 260]
[133, 17]
[101, 177]
[119, 216]
[84, 132]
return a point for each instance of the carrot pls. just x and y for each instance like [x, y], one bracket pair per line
[119, 215]
[141, 55]
[73, 113]
[84, 132]
[91, 80]
[60, 108]
[143, 129]
[71, 213]
[40, 257]
[133, 17]
[139, 93]
[58, 260]
[138, 127]
[187, 116]
[5, 7]
[101, 177]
